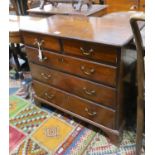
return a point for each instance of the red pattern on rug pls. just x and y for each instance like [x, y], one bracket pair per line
[15, 137]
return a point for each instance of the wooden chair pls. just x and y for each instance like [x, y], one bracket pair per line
[140, 48]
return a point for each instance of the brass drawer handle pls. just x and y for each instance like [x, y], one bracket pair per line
[85, 52]
[49, 96]
[45, 76]
[90, 113]
[92, 92]
[40, 54]
[38, 42]
[91, 71]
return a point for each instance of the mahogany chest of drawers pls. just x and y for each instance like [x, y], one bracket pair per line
[78, 64]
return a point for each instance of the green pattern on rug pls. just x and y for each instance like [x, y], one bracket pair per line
[29, 118]
[16, 104]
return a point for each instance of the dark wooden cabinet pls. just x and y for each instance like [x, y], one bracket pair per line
[82, 67]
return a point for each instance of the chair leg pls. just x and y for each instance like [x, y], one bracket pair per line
[140, 125]
[15, 56]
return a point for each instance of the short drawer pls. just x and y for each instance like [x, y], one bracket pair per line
[101, 115]
[98, 72]
[90, 90]
[46, 42]
[92, 51]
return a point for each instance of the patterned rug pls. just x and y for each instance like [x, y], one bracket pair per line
[14, 85]
[37, 131]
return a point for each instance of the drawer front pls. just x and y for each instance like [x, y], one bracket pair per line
[46, 42]
[72, 84]
[49, 94]
[94, 71]
[91, 51]
[84, 108]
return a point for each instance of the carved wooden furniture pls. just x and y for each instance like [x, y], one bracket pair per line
[78, 64]
[125, 5]
[140, 79]
[67, 9]
[77, 7]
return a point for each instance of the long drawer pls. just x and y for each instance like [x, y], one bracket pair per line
[98, 72]
[92, 51]
[91, 111]
[46, 42]
[72, 84]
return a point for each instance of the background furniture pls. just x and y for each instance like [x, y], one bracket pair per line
[36, 3]
[67, 9]
[125, 5]
[140, 47]
[33, 3]
[19, 6]
[14, 38]
[13, 7]
[78, 65]
[16, 43]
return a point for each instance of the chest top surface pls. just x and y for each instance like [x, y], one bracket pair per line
[112, 29]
